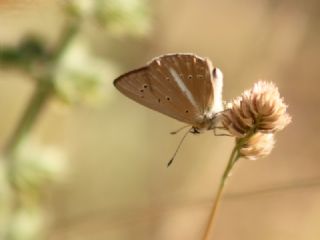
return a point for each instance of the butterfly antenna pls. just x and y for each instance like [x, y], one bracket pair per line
[180, 143]
[179, 129]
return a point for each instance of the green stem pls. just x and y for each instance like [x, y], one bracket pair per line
[234, 157]
[41, 94]
[69, 33]
[36, 104]
[232, 160]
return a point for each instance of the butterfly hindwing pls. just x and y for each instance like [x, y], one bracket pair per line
[178, 85]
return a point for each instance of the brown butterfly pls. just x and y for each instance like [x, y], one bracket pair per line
[183, 86]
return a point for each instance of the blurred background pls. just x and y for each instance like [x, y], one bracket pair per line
[94, 164]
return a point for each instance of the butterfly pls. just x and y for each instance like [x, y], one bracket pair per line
[185, 87]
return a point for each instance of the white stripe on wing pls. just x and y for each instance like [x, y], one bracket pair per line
[183, 87]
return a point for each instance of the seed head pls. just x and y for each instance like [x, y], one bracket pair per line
[259, 109]
[257, 146]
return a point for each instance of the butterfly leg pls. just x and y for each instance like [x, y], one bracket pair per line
[220, 134]
[219, 113]
[178, 130]
[195, 130]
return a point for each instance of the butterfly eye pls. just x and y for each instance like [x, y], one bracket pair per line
[187, 111]
[168, 98]
[190, 76]
[142, 90]
[217, 73]
[145, 86]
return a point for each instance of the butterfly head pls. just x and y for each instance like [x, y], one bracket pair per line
[208, 123]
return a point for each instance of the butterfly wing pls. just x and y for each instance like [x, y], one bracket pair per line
[178, 85]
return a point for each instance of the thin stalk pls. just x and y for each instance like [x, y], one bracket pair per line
[232, 160]
[234, 157]
[31, 113]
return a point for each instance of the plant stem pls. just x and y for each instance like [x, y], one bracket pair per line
[36, 104]
[69, 32]
[42, 93]
[232, 160]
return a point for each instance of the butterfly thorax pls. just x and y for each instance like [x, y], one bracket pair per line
[207, 123]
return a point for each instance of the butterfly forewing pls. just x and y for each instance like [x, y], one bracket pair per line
[178, 85]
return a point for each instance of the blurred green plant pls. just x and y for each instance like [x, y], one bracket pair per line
[35, 166]
[80, 76]
[71, 73]
[27, 223]
[117, 16]
[5, 199]
[24, 55]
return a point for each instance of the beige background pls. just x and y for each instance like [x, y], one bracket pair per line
[119, 187]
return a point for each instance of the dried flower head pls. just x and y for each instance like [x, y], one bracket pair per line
[258, 109]
[257, 146]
